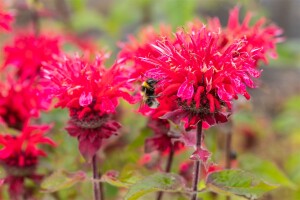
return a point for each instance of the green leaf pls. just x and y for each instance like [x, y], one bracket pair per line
[266, 170]
[237, 182]
[157, 182]
[61, 180]
[125, 179]
[77, 5]
[292, 166]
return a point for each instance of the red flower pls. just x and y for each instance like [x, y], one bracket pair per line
[91, 93]
[20, 99]
[260, 37]
[5, 18]
[19, 155]
[163, 137]
[198, 78]
[140, 47]
[29, 51]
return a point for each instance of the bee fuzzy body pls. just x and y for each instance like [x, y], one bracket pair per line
[148, 93]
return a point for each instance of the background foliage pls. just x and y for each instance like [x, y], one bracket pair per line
[266, 130]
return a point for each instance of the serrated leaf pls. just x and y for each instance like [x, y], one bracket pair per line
[61, 180]
[157, 182]
[125, 179]
[266, 170]
[237, 182]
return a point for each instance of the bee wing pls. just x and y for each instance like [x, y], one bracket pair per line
[155, 104]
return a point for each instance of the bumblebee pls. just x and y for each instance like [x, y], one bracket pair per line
[148, 93]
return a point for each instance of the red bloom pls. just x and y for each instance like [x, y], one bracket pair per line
[260, 37]
[163, 139]
[29, 51]
[21, 152]
[19, 156]
[140, 47]
[91, 92]
[5, 18]
[198, 78]
[87, 89]
[20, 99]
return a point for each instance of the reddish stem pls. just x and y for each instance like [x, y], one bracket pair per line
[197, 165]
[228, 154]
[168, 168]
[97, 188]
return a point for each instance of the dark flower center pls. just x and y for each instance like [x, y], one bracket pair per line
[91, 121]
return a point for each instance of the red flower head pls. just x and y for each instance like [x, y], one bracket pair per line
[260, 37]
[198, 78]
[141, 47]
[19, 155]
[29, 51]
[20, 99]
[5, 18]
[164, 138]
[91, 93]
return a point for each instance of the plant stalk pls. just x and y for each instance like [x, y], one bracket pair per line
[168, 168]
[228, 154]
[97, 188]
[197, 166]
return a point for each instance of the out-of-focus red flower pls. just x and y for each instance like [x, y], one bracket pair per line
[163, 139]
[85, 44]
[19, 155]
[260, 36]
[198, 78]
[91, 93]
[20, 99]
[135, 48]
[5, 18]
[22, 151]
[27, 52]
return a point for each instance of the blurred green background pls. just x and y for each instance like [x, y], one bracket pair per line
[266, 129]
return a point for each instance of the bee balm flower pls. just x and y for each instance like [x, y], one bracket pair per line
[91, 93]
[200, 79]
[29, 51]
[260, 36]
[20, 99]
[19, 155]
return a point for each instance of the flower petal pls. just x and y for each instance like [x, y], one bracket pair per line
[186, 90]
[85, 100]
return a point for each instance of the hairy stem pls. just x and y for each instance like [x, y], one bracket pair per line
[97, 190]
[167, 169]
[197, 165]
[228, 154]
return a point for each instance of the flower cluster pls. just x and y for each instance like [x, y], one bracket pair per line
[260, 36]
[140, 47]
[29, 51]
[19, 155]
[20, 99]
[198, 78]
[91, 93]
[203, 68]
